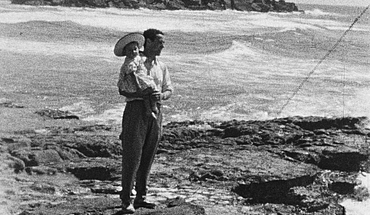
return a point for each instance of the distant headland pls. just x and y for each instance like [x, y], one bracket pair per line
[241, 5]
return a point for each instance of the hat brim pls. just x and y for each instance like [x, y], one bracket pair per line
[131, 37]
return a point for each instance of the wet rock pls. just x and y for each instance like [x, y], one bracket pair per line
[97, 146]
[109, 206]
[93, 128]
[175, 202]
[43, 188]
[81, 206]
[183, 209]
[69, 153]
[71, 145]
[269, 178]
[37, 157]
[247, 5]
[9, 104]
[315, 123]
[295, 165]
[41, 170]
[56, 114]
[95, 168]
[208, 175]
[8, 140]
[106, 189]
[342, 158]
[19, 144]
[302, 155]
[310, 200]
[263, 132]
[342, 182]
[15, 163]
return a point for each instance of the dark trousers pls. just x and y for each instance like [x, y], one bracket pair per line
[140, 137]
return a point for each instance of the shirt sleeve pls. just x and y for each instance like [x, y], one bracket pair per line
[167, 88]
[120, 78]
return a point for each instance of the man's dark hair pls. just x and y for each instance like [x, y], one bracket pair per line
[151, 34]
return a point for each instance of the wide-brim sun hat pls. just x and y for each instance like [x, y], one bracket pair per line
[131, 37]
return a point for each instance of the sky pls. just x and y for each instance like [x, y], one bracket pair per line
[333, 2]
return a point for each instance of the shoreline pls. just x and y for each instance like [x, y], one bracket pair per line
[213, 168]
[239, 5]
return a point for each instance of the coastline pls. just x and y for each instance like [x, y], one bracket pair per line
[239, 5]
[230, 167]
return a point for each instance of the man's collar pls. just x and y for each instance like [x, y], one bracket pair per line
[146, 59]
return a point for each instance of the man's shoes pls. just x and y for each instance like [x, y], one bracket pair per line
[141, 203]
[128, 209]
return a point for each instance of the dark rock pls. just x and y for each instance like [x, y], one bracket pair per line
[97, 147]
[98, 168]
[302, 155]
[37, 157]
[17, 164]
[41, 170]
[269, 179]
[23, 143]
[180, 133]
[242, 5]
[93, 128]
[81, 206]
[273, 191]
[176, 202]
[69, 154]
[43, 188]
[208, 175]
[260, 7]
[7, 140]
[342, 158]
[9, 104]
[342, 182]
[183, 209]
[276, 165]
[26, 213]
[73, 145]
[106, 189]
[109, 206]
[342, 187]
[310, 200]
[56, 114]
[315, 123]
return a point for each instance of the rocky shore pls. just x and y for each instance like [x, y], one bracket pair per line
[295, 165]
[242, 5]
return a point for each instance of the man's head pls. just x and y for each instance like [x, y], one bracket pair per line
[154, 42]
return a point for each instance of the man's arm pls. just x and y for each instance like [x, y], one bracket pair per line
[130, 95]
[167, 88]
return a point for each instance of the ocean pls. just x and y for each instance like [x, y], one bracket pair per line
[224, 64]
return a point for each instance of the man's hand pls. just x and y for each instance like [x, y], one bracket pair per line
[157, 96]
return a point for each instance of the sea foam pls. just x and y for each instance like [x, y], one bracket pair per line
[93, 49]
[359, 207]
[318, 12]
[136, 20]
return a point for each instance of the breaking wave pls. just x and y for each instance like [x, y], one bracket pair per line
[318, 12]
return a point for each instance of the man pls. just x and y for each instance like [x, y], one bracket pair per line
[141, 133]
